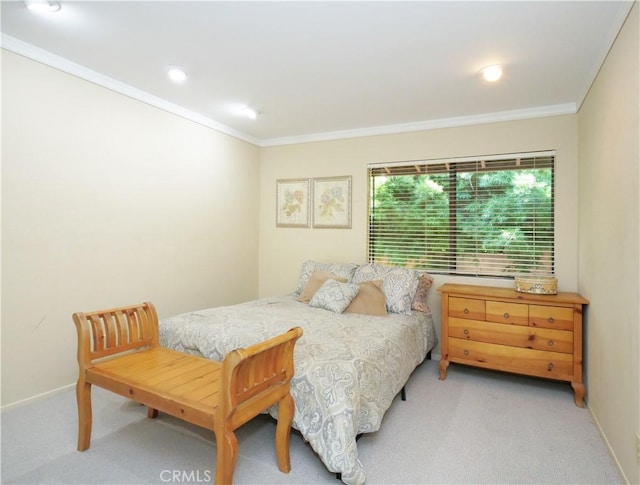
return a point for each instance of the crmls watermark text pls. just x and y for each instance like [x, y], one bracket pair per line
[186, 476]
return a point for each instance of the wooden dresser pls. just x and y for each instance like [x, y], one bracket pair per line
[502, 329]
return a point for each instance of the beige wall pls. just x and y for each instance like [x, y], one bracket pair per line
[609, 244]
[282, 250]
[107, 201]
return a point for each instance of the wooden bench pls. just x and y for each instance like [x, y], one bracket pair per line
[119, 350]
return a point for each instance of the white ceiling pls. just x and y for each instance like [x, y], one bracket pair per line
[322, 70]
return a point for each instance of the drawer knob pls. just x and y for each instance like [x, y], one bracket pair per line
[506, 315]
[466, 331]
[550, 320]
[466, 311]
[466, 352]
[550, 343]
[550, 366]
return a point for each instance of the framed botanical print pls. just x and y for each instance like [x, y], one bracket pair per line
[293, 206]
[332, 202]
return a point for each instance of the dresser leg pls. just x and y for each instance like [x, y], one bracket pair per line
[579, 391]
[443, 364]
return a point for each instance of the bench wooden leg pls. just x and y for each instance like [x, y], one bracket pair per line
[227, 455]
[152, 413]
[283, 432]
[83, 397]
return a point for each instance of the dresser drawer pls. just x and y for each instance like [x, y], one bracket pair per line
[466, 308]
[513, 335]
[512, 313]
[551, 317]
[532, 362]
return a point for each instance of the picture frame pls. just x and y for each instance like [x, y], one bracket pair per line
[293, 207]
[332, 202]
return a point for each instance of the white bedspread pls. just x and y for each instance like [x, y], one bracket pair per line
[348, 367]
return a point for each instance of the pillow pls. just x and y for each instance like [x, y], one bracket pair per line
[315, 282]
[370, 299]
[334, 296]
[419, 303]
[344, 270]
[398, 284]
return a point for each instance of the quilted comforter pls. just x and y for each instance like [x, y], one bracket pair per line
[348, 367]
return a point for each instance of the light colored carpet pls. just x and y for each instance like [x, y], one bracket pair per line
[477, 426]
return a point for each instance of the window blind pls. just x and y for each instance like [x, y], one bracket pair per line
[483, 216]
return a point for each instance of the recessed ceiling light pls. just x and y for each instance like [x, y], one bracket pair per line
[43, 5]
[176, 74]
[249, 112]
[492, 73]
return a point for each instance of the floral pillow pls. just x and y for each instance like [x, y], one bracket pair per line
[334, 296]
[419, 303]
[398, 284]
[344, 270]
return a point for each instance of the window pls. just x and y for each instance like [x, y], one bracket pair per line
[490, 216]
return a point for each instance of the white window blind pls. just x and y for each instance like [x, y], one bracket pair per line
[483, 216]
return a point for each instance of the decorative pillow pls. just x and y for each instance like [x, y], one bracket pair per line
[334, 296]
[344, 270]
[399, 284]
[315, 282]
[425, 281]
[370, 299]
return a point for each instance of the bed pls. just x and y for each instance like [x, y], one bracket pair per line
[348, 366]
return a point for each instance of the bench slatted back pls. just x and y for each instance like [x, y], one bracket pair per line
[257, 376]
[107, 332]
